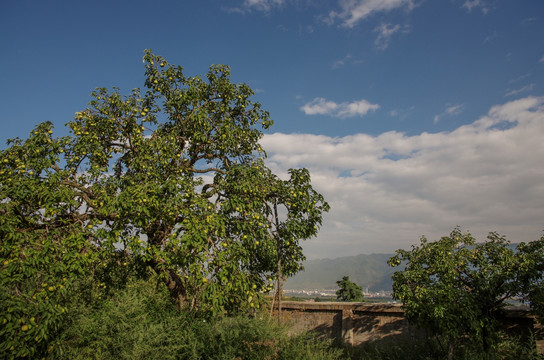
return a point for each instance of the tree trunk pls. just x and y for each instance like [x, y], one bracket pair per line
[174, 282]
[278, 251]
[176, 287]
[279, 291]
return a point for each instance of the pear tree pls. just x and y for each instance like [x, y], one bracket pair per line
[171, 179]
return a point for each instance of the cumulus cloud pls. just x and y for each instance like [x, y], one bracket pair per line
[321, 106]
[449, 111]
[386, 191]
[353, 11]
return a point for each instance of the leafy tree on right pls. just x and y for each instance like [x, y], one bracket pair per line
[456, 287]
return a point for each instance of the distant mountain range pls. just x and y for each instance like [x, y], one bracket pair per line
[368, 271]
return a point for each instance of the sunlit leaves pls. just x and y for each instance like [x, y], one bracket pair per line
[43, 246]
[171, 180]
[456, 286]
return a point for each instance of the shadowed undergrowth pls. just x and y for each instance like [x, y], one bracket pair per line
[140, 322]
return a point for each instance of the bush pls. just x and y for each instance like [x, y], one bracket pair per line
[254, 338]
[141, 322]
[509, 348]
[137, 322]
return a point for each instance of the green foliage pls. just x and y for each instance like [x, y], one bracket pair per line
[43, 243]
[245, 338]
[405, 350]
[141, 322]
[456, 287]
[514, 348]
[532, 270]
[172, 179]
[137, 322]
[349, 291]
[431, 349]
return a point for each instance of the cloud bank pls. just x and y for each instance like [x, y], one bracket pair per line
[386, 191]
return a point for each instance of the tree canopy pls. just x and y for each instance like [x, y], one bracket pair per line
[456, 286]
[172, 179]
[348, 290]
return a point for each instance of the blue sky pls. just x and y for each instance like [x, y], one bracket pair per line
[412, 116]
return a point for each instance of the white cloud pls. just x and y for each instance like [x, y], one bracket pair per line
[353, 11]
[386, 191]
[491, 37]
[529, 21]
[523, 89]
[449, 111]
[341, 62]
[541, 59]
[258, 5]
[346, 60]
[520, 78]
[321, 106]
[263, 5]
[471, 4]
[385, 31]
[402, 114]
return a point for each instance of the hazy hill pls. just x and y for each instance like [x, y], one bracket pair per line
[369, 271]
